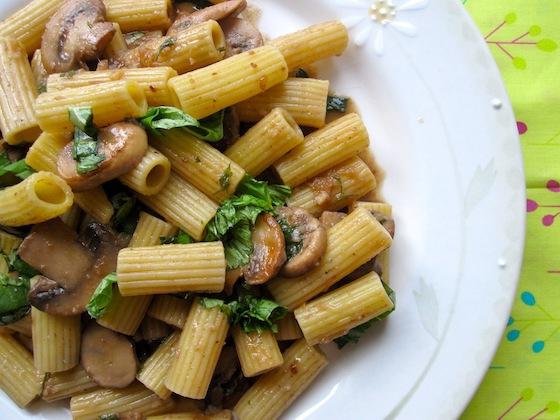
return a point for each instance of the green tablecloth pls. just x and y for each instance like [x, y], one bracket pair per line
[523, 381]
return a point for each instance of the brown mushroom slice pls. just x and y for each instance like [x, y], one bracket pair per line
[331, 218]
[75, 34]
[241, 35]
[216, 12]
[122, 144]
[307, 237]
[108, 357]
[268, 251]
[73, 264]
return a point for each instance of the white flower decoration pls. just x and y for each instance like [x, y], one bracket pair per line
[380, 13]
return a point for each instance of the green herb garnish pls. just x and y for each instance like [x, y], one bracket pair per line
[180, 237]
[167, 43]
[293, 246]
[301, 73]
[125, 217]
[337, 103]
[85, 147]
[132, 37]
[224, 178]
[18, 169]
[102, 297]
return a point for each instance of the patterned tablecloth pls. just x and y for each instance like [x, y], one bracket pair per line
[523, 381]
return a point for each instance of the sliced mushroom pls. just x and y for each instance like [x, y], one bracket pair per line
[75, 34]
[307, 238]
[241, 35]
[386, 221]
[108, 357]
[331, 218]
[70, 263]
[216, 12]
[122, 144]
[268, 251]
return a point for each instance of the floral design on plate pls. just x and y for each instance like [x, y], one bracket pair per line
[365, 15]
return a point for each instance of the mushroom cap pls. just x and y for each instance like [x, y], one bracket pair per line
[216, 12]
[312, 235]
[76, 33]
[241, 35]
[123, 145]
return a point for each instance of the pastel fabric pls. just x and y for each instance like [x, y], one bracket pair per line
[523, 380]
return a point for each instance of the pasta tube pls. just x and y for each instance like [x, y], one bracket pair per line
[152, 80]
[276, 390]
[334, 189]
[198, 267]
[134, 399]
[156, 368]
[335, 313]
[350, 243]
[183, 205]
[189, 49]
[72, 217]
[39, 72]
[265, 142]
[288, 328]
[312, 43]
[197, 162]
[8, 242]
[305, 100]
[117, 45]
[62, 385]
[140, 15]
[205, 91]
[17, 94]
[322, 149]
[169, 309]
[28, 23]
[151, 174]
[56, 341]
[19, 379]
[96, 204]
[111, 102]
[258, 352]
[199, 348]
[38, 198]
[124, 314]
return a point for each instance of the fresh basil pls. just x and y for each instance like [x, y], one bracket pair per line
[18, 169]
[180, 237]
[13, 298]
[85, 149]
[337, 103]
[224, 178]
[102, 296]
[125, 217]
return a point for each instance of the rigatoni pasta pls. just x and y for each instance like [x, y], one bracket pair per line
[322, 149]
[265, 142]
[62, 385]
[40, 197]
[305, 99]
[150, 175]
[17, 94]
[205, 91]
[258, 351]
[139, 15]
[288, 328]
[170, 309]
[199, 348]
[275, 391]
[335, 313]
[162, 269]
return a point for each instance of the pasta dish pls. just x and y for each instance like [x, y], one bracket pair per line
[188, 212]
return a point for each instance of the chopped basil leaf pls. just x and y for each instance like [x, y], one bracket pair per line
[179, 238]
[22, 268]
[167, 117]
[102, 297]
[236, 216]
[19, 169]
[224, 178]
[85, 147]
[167, 43]
[69, 74]
[125, 217]
[354, 335]
[42, 88]
[132, 37]
[293, 246]
[251, 313]
[337, 103]
[13, 298]
[301, 73]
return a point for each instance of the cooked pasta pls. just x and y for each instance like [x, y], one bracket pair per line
[288, 329]
[334, 189]
[312, 44]
[151, 174]
[265, 142]
[258, 352]
[322, 149]
[72, 216]
[275, 391]
[169, 309]
[110, 101]
[205, 91]
[198, 349]
[8, 242]
[19, 379]
[96, 204]
[156, 368]
[182, 204]
[335, 313]
[352, 242]
[200, 164]
[117, 45]
[17, 94]
[172, 268]
[56, 341]
[150, 230]
[140, 15]
[305, 99]
[40, 197]
[152, 80]
[62, 385]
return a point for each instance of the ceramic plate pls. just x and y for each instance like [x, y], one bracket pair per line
[442, 128]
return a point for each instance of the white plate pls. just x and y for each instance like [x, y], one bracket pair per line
[442, 127]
